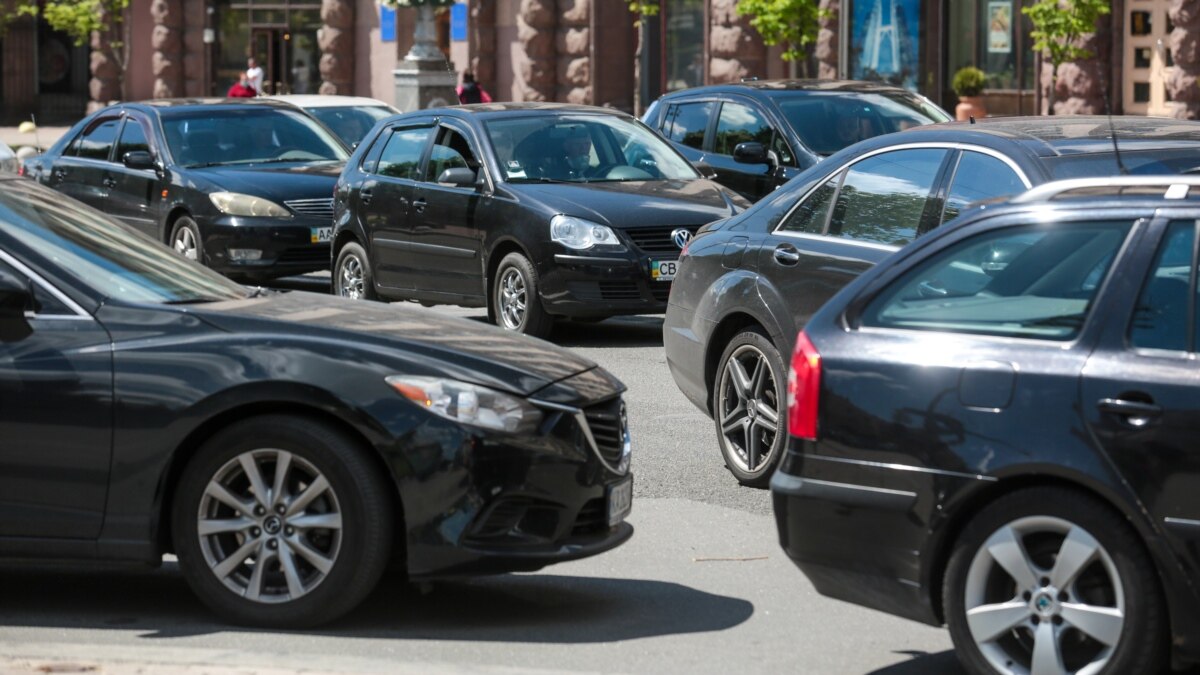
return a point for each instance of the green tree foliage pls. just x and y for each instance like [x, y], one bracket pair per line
[1057, 27]
[642, 8]
[794, 22]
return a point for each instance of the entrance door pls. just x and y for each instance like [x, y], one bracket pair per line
[271, 48]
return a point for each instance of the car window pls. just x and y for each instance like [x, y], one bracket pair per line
[200, 136]
[979, 177]
[350, 123]
[883, 197]
[452, 151]
[133, 139]
[811, 215]
[401, 157]
[687, 122]
[96, 141]
[1028, 281]
[740, 124]
[45, 304]
[1160, 319]
[829, 121]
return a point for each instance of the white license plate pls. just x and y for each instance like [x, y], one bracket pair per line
[620, 501]
[322, 235]
[663, 270]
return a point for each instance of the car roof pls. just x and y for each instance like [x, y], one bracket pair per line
[163, 104]
[846, 86]
[330, 101]
[1060, 135]
[520, 108]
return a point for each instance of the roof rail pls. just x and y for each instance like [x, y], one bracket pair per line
[1177, 187]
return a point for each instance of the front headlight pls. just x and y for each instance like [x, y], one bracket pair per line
[580, 234]
[469, 403]
[247, 205]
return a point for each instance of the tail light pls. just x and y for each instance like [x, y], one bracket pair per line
[804, 389]
[21, 170]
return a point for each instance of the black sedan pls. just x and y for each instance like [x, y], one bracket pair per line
[535, 211]
[244, 187]
[287, 447]
[755, 135]
[746, 285]
[1007, 444]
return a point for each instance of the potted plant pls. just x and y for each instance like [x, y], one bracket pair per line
[968, 85]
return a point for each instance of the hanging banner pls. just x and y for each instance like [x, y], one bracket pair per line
[1000, 27]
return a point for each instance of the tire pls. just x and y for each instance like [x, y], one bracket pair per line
[516, 304]
[186, 240]
[352, 276]
[1032, 529]
[752, 437]
[313, 573]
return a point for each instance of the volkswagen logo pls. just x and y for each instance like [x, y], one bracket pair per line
[681, 237]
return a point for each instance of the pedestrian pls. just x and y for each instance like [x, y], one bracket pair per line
[255, 74]
[470, 91]
[242, 88]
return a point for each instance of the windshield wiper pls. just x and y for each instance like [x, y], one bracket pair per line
[203, 165]
[1061, 321]
[543, 179]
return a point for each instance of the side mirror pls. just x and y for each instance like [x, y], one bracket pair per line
[138, 159]
[15, 298]
[458, 177]
[750, 153]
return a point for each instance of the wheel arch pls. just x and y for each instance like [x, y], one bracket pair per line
[176, 212]
[729, 326]
[492, 264]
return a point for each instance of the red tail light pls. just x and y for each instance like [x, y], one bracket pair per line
[21, 170]
[804, 389]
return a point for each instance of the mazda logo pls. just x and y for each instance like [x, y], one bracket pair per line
[681, 237]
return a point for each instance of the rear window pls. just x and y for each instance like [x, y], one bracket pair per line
[827, 122]
[1179, 160]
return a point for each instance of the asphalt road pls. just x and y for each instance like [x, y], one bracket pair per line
[701, 588]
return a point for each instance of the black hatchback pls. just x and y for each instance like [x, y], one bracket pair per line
[996, 428]
[533, 210]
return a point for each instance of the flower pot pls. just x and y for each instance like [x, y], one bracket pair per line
[968, 107]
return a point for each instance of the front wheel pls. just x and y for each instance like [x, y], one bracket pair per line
[748, 407]
[352, 274]
[186, 240]
[516, 305]
[1048, 580]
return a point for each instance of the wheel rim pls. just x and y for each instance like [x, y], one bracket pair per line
[270, 526]
[1043, 596]
[513, 298]
[748, 408]
[351, 282]
[185, 243]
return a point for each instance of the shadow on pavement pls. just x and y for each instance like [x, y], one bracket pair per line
[924, 663]
[619, 331]
[539, 608]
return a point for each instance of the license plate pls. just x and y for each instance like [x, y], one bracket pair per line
[620, 501]
[322, 235]
[663, 270]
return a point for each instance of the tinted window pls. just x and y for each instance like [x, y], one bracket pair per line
[979, 177]
[1032, 282]
[96, 142]
[133, 139]
[687, 122]
[1183, 158]
[402, 155]
[740, 124]
[45, 304]
[827, 122]
[351, 124]
[1160, 319]
[210, 135]
[810, 216]
[883, 197]
[451, 152]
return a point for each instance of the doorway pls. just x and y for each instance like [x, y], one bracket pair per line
[271, 47]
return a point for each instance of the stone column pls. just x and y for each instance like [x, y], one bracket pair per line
[574, 47]
[167, 41]
[1082, 84]
[196, 74]
[1183, 80]
[537, 63]
[106, 68]
[482, 46]
[827, 40]
[337, 47]
[736, 50]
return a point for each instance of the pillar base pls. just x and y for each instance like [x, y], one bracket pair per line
[424, 83]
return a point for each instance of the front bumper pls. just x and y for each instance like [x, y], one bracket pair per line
[287, 244]
[587, 286]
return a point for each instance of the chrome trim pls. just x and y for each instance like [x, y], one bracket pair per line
[581, 419]
[1048, 191]
[80, 313]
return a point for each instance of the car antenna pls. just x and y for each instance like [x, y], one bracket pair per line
[1112, 130]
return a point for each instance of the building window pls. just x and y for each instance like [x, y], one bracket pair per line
[885, 42]
[992, 35]
[683, 44]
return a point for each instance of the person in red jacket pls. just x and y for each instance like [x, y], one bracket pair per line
[470, 91]
[242, 88]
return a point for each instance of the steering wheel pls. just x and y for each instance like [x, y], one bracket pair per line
[600, 171]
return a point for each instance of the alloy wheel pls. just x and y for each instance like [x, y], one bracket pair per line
[185, 243]
[351, 282]
[513, 298]
[270, 526]
[748, 407]
[1043, 596]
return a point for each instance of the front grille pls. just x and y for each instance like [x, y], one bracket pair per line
[657, 239]
[620, 290]
[592, 518]
[319, 208]
[314, 255]
[660, 290]
[608, 428]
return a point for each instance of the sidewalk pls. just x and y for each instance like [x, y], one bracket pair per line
[46, 136]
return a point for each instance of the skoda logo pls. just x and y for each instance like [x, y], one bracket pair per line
[1043, 603]
[681, 237]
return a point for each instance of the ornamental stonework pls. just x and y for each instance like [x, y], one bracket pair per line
[537, 62]
[826, 51]
[337, 47]
[573, 47]
[166, 38]
[483, 43]
[1183, 80]
[735, 49]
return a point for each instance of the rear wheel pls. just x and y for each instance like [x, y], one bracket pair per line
[352, 274]
[1047, 580]
[748, 407]
[516, 304]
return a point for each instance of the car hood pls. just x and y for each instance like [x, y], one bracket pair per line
[462, 349]
[631, 204]
[277, 182]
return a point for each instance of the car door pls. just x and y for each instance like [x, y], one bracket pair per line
[1141, 386]
[854, 219]
[135, 193]
[386, 197]
[79, 171]
[742, 122]
[56, 407]
[444, 229]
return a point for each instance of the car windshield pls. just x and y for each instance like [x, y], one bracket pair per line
[583, 149]
[104, 255]
[829, 121]
[351, 123]
[207, 136]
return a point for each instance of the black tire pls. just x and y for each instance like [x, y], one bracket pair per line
[354, 551]
[352, 276]
[1036, 518]
[186, 240]
[751, 452]
[518, 306]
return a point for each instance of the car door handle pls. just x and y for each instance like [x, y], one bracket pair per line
[1135, 413]
[365, 196]
[786, 254]
[419, 205]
